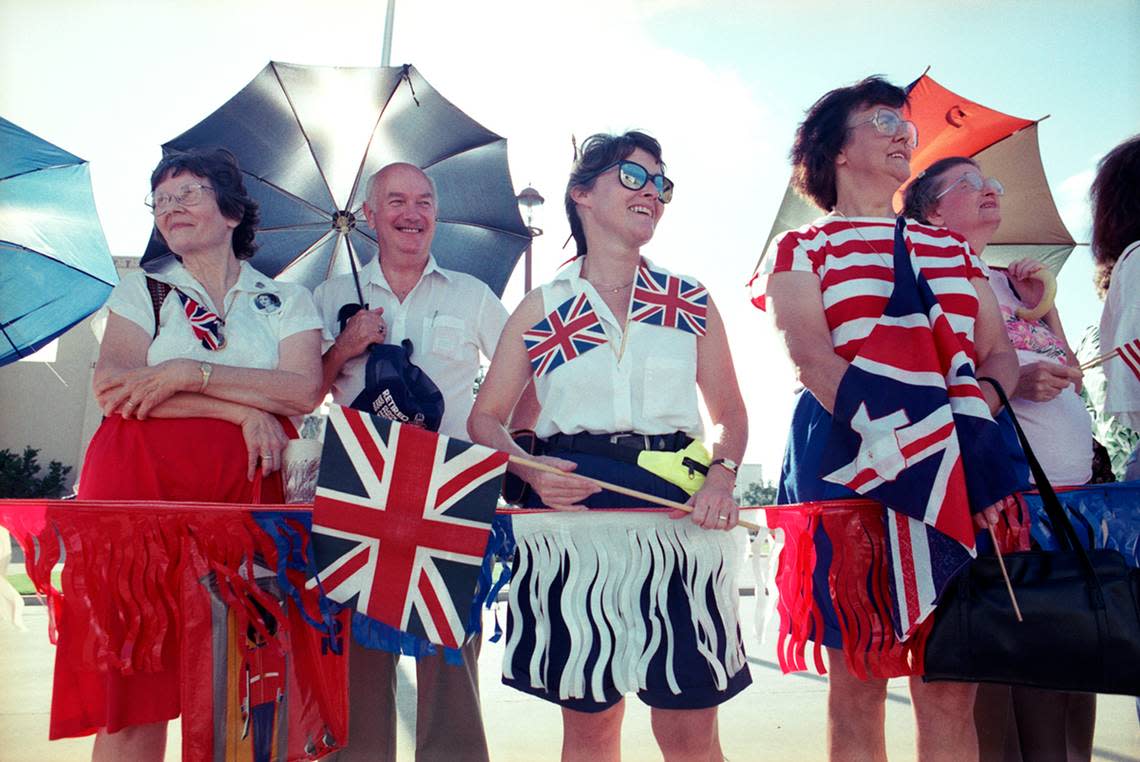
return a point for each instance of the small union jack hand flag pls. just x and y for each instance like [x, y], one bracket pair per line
[666, 300]
[569, 331]
[206, 325]
[1130, 353]
[401, 521]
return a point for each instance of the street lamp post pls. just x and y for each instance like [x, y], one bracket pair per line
[530, 199]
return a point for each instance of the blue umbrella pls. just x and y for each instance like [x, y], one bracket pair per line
[307, 139]
[55, 267]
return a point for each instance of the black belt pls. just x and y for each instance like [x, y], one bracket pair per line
[623, 446]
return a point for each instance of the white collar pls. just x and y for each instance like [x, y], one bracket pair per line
[374, 273]
[572, 270]
[249, 279]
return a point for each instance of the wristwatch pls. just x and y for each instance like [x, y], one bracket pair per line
[731, 465]
[206, 369]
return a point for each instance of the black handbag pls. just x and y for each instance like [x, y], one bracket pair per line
[1081, 609]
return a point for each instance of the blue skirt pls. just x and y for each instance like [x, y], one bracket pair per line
[603, 604]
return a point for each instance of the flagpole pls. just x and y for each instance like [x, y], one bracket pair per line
[386, 52]
[1005, 576]
[1099, 360]
[620, 489]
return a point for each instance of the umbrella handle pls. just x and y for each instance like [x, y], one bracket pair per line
[1047, 279]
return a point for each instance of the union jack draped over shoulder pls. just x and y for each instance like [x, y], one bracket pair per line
[912, 430]
[207, 326]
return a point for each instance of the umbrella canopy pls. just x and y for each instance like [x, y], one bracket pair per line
[309, 137]
[1004, 146]
[55, 267]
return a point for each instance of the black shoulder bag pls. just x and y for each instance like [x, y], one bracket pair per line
[1081, 609]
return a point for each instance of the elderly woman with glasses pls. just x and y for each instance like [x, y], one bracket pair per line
[827, 286]
[612, 352]
[201, 360]
[1019, 722]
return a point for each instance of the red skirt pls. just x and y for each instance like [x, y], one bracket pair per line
[176, 459]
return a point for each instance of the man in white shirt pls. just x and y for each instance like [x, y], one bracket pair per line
[451, 318]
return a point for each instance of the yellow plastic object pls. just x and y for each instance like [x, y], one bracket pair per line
[1047, 296]
[677, 467]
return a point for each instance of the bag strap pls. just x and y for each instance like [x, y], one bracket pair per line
[1066, 534]
[158, 293]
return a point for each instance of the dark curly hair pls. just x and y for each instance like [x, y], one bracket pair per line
[598, 152]
[1116, 208]
[919, 199]
[823, 133]
[220, 167]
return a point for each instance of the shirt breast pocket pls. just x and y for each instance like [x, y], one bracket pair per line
[670, 388]
[447, 337]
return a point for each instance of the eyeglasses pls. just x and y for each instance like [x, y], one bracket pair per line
[976, 182]
[889, 123]
[188, 195]
[634, 176]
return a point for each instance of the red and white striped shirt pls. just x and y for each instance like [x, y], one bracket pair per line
[853, 259]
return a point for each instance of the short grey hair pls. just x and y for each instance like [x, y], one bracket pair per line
[921, 196]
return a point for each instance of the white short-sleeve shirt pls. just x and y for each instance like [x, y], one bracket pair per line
[258, 312]
[643, 379]
[451, 318]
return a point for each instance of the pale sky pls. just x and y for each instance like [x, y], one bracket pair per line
[721, 84]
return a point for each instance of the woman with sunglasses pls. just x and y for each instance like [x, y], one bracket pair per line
[827, 286]
[613, 351]
[1018, 722]
[201, 359]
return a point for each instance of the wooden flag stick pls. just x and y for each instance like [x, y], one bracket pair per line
[1005, 576]
[1099, 360]
[620, 489]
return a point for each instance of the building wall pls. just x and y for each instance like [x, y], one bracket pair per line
[57, 417]
[748, 473]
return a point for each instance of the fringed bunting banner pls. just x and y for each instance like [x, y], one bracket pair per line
[569, 553]
[1106, 516]
[156, 583]
[857, 587]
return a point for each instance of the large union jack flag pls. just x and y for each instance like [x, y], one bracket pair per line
[401, 521]
[912, 430]
[670, 301]
[570, 330]
[206, 325]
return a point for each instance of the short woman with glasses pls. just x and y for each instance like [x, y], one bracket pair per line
[614, 350]
[828, 284]
[1020, 722]
[201, 360]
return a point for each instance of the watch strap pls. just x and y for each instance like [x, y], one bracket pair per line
[731, 465]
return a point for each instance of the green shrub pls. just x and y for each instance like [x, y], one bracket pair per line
[19, 476]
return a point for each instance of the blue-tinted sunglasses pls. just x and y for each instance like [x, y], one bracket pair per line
[634, 176]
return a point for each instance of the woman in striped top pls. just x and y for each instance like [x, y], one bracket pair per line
[828, 284]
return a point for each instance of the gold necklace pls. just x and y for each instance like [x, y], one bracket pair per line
[604, 289]
[611, 289]
[851, 225]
